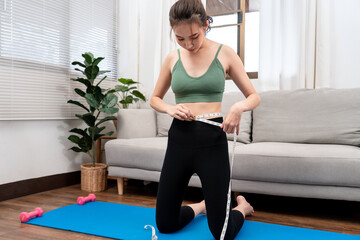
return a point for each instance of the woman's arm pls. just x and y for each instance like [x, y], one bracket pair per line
[162, 86]
[236, 71]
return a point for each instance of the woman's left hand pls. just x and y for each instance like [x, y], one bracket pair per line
[232, 119]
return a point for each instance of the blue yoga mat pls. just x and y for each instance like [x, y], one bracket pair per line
[119, 221]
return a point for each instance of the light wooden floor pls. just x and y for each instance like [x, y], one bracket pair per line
[335, 216]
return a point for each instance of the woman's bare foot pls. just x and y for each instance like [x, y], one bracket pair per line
[198, 208]
[243, 206]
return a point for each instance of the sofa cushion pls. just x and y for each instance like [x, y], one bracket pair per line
[314, 164]
[136, 123]
[143, 153]
[164, 120]
[325, 116]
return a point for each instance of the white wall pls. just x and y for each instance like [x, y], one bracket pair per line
[37, 148]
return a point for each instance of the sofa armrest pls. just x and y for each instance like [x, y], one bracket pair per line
[136, 123]
[99, 147]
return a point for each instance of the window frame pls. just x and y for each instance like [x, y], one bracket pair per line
[244, 7]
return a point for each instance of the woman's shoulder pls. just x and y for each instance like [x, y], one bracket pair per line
[225, 49]
[227, 54]
[171, 59]
[228, 50]
[172, 55]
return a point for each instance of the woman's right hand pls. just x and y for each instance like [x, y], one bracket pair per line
[180, 112]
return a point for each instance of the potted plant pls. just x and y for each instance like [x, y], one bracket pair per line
[98, 101]
[128, 94]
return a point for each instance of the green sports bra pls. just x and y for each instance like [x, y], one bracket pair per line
[209, 87]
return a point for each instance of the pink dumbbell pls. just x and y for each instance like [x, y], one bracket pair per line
[83, 200]
[26, 216]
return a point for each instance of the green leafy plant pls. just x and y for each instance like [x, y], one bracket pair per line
[128, 94]
[98, 100]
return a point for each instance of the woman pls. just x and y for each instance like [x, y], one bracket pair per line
[196, 73]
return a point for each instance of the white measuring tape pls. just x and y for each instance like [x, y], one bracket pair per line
[201, 118]
[153, 235]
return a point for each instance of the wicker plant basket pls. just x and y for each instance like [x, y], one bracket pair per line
[93, 179]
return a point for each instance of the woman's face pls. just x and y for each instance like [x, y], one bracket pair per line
[190, 35]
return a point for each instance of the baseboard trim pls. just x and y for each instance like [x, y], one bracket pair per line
[35, 185]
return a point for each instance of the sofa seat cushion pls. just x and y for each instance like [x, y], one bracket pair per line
[313, 164]
[143, 153]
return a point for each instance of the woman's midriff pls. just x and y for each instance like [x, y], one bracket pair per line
[199, 108]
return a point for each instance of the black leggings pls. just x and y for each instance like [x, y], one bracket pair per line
[201, 148]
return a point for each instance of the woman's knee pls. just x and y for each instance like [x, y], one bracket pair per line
[164, 226]
[217, 236]
[216, 231]
[164, 221]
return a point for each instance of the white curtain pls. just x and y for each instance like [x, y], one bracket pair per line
[287, 42]
[144, 40]
[338, 44]
[309, 44]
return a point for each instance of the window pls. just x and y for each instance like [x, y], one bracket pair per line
[233, 29]
[38, 42]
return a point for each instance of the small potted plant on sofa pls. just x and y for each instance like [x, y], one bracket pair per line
[93, 175]
[128, 94]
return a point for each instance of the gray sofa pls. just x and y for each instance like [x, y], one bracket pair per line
[302, 143]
